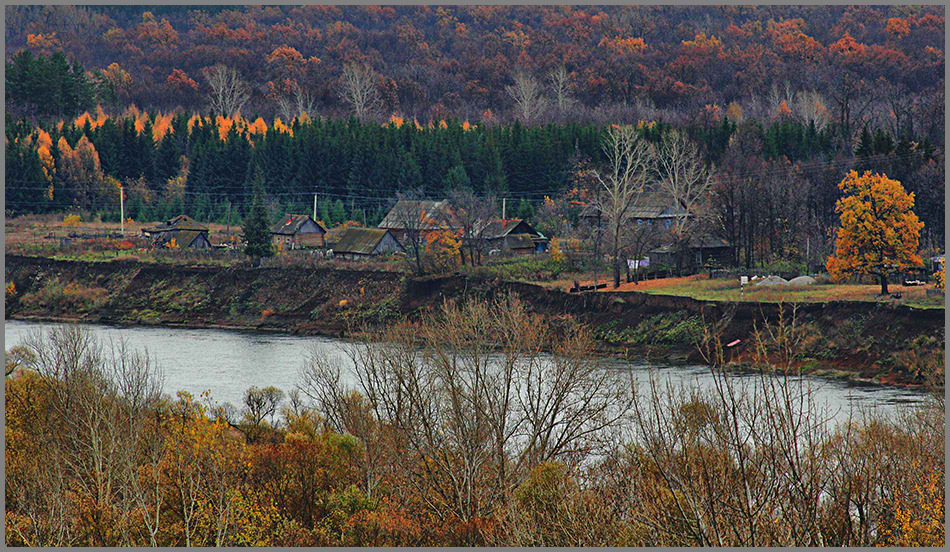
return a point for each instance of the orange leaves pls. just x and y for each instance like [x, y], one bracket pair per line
[442, 248]
[788, 37]
[157, 34]
[848, 48]
[161, 126]
[897, 27]
[279, 126]
[44, 143]
[133, 112]
[194, 120]
[701, 45]
[45, 43]
[257, 127]
[879, 231]
[784, 111]
[919, 519]
[224, 126]
[620, 46]
[180, 81]
[116, 76]
[940, 276]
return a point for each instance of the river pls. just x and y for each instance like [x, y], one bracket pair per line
[227, 363]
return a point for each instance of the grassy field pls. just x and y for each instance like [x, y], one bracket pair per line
[35, 229]
[701, 287]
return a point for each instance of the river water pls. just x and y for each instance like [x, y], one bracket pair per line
[227, 363]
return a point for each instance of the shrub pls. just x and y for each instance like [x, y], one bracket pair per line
[71, 221]
[55, 297]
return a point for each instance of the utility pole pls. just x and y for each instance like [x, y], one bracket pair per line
[314, 207]
[503, 201]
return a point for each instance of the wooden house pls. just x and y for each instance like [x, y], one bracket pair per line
[361, 243]
[297, 232]
[419, 215]
[512, 236]
[701, 249]
[183, 229]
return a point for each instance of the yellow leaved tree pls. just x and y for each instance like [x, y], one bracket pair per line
[879, 231]
[940, 276]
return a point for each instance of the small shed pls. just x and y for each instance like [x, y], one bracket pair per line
[509, 235]
[700, 250]
[193, 238]
[361, 243]
[519, 244]
[298, 231]
[183, 229]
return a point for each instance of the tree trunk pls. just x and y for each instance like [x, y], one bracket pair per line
[883, 283]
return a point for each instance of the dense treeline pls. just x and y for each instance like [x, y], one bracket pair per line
[883, 63]
[446, 441]
[774, 197]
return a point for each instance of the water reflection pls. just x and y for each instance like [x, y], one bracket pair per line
[226, 363]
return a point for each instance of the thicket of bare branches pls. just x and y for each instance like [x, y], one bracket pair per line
[528, 95]
[686, 178]
[474, 403]
[619, 187]
[229, 92]
[358, 89]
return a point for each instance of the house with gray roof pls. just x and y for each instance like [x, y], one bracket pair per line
[419, 215]
[511, 236]
[362, 243]
[183, 229]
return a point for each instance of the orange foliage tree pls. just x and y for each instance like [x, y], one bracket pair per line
[879, 231]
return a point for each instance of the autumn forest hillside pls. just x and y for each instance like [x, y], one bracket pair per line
[437, 63]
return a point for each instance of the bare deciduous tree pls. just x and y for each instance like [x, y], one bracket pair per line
[98, 400]
[475, 404]
[358, 89]
[296, 103]
[686, 179]
[474, 214]
[619, 187]
[229, 92]
[559, 80]
[527, 95]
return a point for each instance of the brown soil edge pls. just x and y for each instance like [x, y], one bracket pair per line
[308, 303]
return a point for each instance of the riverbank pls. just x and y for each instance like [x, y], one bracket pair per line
[895, 345]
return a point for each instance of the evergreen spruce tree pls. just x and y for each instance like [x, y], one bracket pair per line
[866, 146]
[256, 229]
[456, 179]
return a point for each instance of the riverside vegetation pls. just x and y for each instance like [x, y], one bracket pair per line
[442, 439]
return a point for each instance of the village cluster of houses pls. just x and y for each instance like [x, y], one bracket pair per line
[506, 237]
[495, 236]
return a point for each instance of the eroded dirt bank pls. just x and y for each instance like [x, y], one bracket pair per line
[894, 345]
